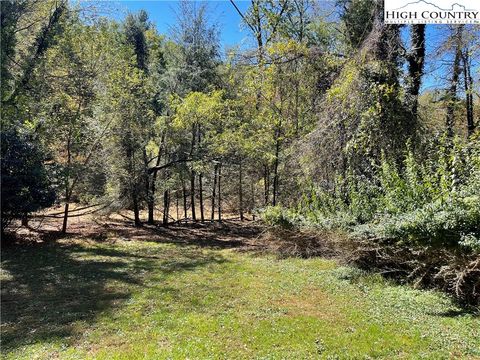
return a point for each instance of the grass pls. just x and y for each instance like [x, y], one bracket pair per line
[80, 298]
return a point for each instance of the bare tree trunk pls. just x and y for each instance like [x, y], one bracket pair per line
[151, 207]
[192, 177]
[136, 210]
[275, 171]
[184, 200]
[219, 192]
[148, 193]
[200, 190]
[200, 181]
[177, 205]
[65, 216]
[252, 205]
[166, 206]
[240, 190]
[266, 182]
[67, 189]
[215, 171]
[192, 195]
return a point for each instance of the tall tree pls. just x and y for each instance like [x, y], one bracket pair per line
[457, 45]
[70, 76]
[416, 62]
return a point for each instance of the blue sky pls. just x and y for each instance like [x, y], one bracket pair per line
[163, 15]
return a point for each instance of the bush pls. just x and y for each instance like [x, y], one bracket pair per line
[25, 185]
[278, 216]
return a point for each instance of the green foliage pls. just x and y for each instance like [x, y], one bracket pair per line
[196, 56]
[279, 216]
[25, 184]
[357, 17]
[9, 16]
[423, 202]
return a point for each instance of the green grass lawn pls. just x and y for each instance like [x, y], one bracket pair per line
[77, 299]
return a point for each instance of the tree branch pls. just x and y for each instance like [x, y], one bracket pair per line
[243, 17]
[167, 165]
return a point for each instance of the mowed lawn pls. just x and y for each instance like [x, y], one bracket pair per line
[119, 299]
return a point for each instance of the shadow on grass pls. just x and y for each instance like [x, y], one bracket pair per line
[48, 287]
[213, 235]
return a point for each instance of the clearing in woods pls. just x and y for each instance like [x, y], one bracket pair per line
[196, 291]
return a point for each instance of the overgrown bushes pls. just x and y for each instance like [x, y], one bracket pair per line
[432, 201]
[418, 219]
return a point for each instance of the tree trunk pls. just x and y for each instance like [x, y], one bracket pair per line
[151, 209]
[192, 177]
[252, 205]
[297, 100]
[136, 210]
[200, 181]
[166, 206]
[67, 190]
[184, 200]
[148, 193]
[452, 92]
[177, 205]
[240, 191]
[219, 192]
[200, 190]
[65, 216]
[25, 220]
[266, 182]
[468, 92]
[192, 195]
[215, 171]
[151, 197]
[275, 171]
[416, 61]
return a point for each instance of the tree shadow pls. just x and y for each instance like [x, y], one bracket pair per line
[213, 235]
[48, 287]
[454, 313]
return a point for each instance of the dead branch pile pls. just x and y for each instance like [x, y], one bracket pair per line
[450, 270]
[304, 244]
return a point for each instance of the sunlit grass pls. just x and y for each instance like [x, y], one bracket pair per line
[135, 300]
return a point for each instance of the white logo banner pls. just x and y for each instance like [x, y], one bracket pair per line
[432, 12]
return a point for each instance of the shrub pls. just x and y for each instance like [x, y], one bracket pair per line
[25, 185]
[432, 201]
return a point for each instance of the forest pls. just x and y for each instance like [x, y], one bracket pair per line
[312, 191]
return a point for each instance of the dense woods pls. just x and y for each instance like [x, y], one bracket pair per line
[328, 120]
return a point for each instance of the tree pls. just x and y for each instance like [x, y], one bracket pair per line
[195, 64]
[455, 75]
[132, 119]
[193, 68]
[416, 62]
[71, 73]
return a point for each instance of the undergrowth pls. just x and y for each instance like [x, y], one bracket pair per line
[418, 219]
